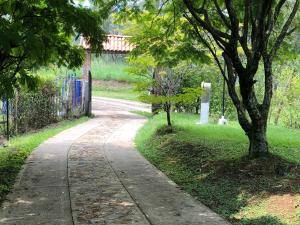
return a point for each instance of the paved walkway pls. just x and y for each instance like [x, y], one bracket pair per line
[91, 174]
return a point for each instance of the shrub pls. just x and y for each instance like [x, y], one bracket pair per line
[34, 109]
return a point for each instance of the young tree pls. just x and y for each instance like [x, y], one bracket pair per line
[34, 33]
[168, 83]
[162, 48]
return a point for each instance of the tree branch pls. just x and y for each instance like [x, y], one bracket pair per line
[241, 111]
[221, 14]
[159, 11]
[197, 32]
[217, 34]
[268, 85]
[244, 38]
[233, 18]
[275, 15]
[284, 32]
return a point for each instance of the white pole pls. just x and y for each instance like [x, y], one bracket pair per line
[204, 107]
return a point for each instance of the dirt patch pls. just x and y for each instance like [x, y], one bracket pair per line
[271, 166]
[165, 130]
[111, 84]
[285, 204]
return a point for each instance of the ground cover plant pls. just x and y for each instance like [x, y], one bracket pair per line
[210, 162]
[19, 148]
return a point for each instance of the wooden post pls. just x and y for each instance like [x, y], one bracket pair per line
[89, 107]
[7, 119]
[87, 64]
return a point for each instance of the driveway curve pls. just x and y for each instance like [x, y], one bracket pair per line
[92, 174]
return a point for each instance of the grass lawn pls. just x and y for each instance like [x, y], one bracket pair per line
[115, 90]
[13, 157]
[208, 161]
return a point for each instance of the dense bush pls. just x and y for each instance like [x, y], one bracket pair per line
[34, 109]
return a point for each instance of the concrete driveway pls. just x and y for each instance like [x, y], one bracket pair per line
[92, 174]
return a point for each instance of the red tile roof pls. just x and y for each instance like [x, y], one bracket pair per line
[114, 44]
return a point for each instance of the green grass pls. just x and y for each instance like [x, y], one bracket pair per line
[208, 161]
[142, 113]
[102, 68]
[19, 148]
[126, 93]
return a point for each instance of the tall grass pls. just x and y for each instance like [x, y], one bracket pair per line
[111, 67]
[103, 67]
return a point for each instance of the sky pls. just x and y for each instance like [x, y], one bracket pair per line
[85, 3]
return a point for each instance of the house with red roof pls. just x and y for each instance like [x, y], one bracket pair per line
[114, 44]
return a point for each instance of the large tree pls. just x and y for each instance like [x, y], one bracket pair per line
[36, 32]
[245, 34]
[258, 28]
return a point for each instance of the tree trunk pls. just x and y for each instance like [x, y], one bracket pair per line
[155, 108]
[258, 144]
[278, 112]
[252, 114]
[168, 111]
[252, 117]
[197, 107]
[155, 91]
